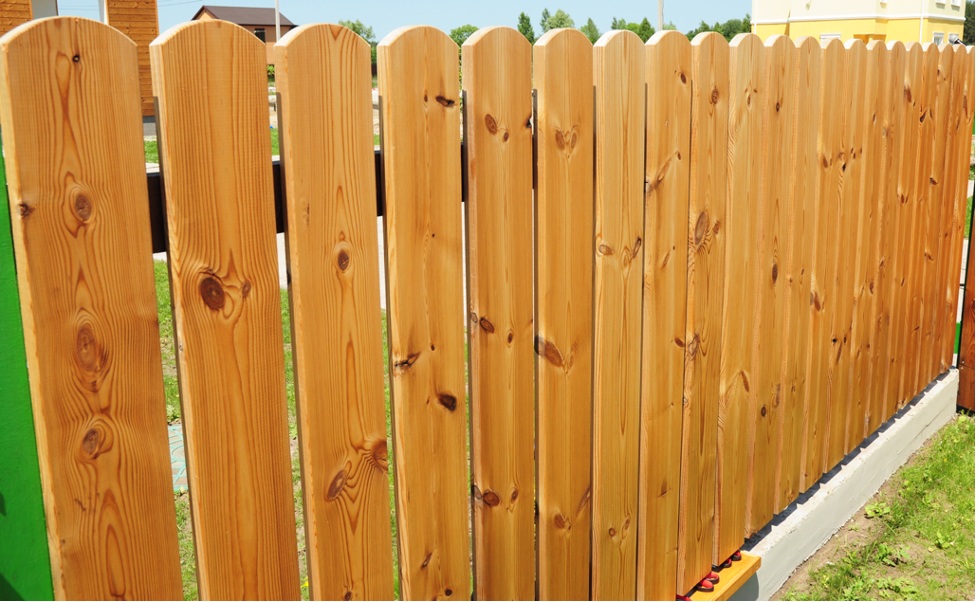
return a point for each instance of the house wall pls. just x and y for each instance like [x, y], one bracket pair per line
[138, 20]
[13, 13]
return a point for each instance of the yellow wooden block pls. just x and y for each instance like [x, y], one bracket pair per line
[731, 579]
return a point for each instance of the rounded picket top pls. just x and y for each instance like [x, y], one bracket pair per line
[741, 40]
[562, 35]
[709, 39]
[500, 34]
[873, 44]
[668, 36]
[318, 40]
[777, 40]
[896, 45]
[854, 43]
[616, 37]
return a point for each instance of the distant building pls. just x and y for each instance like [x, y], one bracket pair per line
[135, 18]
[887, 20]
[259, 21]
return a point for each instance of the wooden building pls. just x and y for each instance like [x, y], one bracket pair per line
[259, 21]
[135, 18]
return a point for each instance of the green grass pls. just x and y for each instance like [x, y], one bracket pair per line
[921, 545]
[187, 557]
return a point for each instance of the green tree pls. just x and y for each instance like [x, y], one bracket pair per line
[669, 26]
[544, 20]
[643, 29]
[555, 21]
[728, 30]
[590, 30]
[525, 27]
[460, 34]
[968, 24]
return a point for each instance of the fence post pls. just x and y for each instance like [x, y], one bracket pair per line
[26, 566]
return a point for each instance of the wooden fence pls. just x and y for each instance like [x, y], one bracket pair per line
[698, 275]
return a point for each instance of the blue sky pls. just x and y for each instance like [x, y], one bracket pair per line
[387, 15]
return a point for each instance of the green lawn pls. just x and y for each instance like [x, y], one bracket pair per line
[187, 558]
[914, 540]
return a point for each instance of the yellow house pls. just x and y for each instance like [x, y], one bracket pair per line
[888, 20]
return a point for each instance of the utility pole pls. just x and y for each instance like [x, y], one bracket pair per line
[661, 15]
[278, 23]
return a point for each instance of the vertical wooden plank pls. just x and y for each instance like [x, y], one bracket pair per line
[497, 81]
[668, 69]
[962, 141]
[925, 127]
[210, 83]
[939, 67]
[769, 343]
[24, 557]
[965, 395]
[703, 330]
[891, 163]
[899, 336]
[843, 252]
[69, 111]
[953, 213]
[862, 413]
[737, 387]
[933, 285]
[798, 268]
[418, 69]
[563, 76]
[831, 157]
[619, 124]
[326, 125]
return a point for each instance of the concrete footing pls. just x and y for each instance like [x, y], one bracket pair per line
[798, 532]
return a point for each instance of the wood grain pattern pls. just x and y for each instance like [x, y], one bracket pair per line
[965, 396]
[831, 157]
[862, 413]
[842, 255]
[950, 216]
[933, 285]
[899, 335]
[938, 66]
[563, 77]
[891, 163]
[769, 355]
[668, 73]
[497, 79]
[214, 145]
[69, 111]
[798, 269]
[741, 288]
[323, 77]
[619, 122]
[703, 330]
[418, 77]
[14, 13]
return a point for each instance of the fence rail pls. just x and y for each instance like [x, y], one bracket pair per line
[698, 275]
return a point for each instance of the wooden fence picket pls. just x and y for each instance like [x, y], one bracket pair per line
[935, 196]
[619, 122]
[868, 247]
[798, 268]
[563, 77]
[827, 187]
[69, 109]
[326, 125]
[891, 162]
[209, 80]
[497, 82]
[418, 86]
[737, 389]
[668, 73]
[703, 331]
[938, 67]
[844, 205]
[769, 346]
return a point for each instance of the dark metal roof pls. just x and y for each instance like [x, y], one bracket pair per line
[243, 15]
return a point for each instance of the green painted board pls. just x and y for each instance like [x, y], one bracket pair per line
[25, 567]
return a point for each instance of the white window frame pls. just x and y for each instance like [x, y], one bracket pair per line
[941, 35]
[941, 2]
[955, 3]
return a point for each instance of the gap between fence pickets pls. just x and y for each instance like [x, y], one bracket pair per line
[798, 532]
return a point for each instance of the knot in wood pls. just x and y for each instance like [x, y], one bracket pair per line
[490, 497]
[212, 292]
